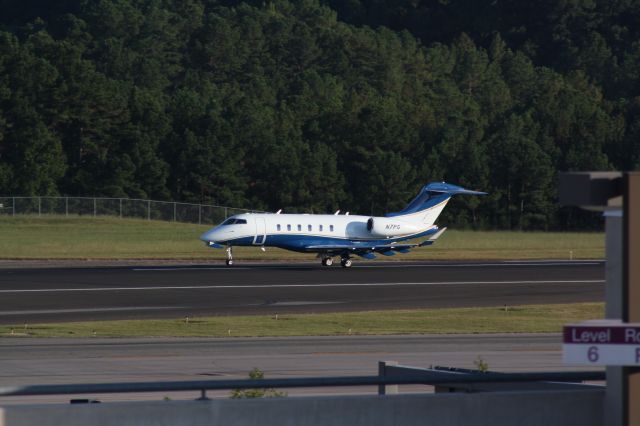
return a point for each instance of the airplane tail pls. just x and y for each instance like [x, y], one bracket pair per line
[430, 202]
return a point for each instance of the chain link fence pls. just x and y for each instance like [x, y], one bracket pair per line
[118, 207]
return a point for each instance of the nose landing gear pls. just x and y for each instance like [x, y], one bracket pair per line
[229, 251]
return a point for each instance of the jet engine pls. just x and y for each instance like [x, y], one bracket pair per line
[385, 227]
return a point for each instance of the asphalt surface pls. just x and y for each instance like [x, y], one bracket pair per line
[27, 361]
[72, 294]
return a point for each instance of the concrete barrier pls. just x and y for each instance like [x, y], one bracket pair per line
[478, 409]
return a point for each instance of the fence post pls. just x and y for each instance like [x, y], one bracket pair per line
[225, 213]
[39, 206]
[13, 205]
[120, 208]
[174, 211]
[66, 206]
[148, 209]
[94, 207]
[382, 372]
[199, 214]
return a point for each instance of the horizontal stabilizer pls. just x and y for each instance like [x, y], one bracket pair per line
[447, 188]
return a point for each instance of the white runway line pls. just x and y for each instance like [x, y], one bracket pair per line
[74, 311]
[252, 286]
[470, 265]
[435, 265]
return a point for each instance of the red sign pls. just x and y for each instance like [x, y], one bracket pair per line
[619, 334]
[606, 342]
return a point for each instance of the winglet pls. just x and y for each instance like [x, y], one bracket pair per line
[437, 234]
[433, 238]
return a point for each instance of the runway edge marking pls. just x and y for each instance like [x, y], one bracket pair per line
[250, 286]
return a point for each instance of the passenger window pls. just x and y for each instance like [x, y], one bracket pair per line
[331, 228]
[299, 227]
[288, 227]
[278, 226]
[310, 228]
[320, 227]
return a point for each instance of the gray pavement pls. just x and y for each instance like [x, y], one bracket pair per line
[62, 361]
[32, 295]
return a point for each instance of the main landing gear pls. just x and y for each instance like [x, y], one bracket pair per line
[345, 261]
[327, 261]
[229, 256]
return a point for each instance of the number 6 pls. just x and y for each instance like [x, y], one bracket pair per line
[592, 354]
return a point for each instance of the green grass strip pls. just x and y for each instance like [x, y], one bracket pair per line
[53, 237]
[516, 319]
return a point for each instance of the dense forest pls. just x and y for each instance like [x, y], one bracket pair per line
[315, 105]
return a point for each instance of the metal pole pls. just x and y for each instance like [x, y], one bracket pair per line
[631, 288]
[225, 213]
[613, 404]
[66, 206]
[120, 208]
[148, 209]
[39, 206]
[13, 204]
[199, 214]
[174, 211]
[94, 207]
[382, 372]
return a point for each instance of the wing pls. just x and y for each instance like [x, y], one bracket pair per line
[368, 251]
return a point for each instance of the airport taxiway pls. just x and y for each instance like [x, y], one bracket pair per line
[28, 361]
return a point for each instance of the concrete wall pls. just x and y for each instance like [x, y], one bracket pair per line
[493, 408]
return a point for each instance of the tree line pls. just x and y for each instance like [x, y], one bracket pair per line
[313, 105]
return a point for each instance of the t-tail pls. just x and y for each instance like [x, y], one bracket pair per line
[430, 201]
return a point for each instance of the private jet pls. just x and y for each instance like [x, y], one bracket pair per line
[340, 235]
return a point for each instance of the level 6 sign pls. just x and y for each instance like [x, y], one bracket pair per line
[602, 343]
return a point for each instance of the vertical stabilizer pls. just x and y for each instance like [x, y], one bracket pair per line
[430, 201]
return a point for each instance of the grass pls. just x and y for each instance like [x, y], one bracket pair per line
[54, 237]
[517, 319]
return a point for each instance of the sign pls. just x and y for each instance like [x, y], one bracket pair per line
[602, 343]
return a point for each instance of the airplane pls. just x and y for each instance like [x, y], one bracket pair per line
[335, 235]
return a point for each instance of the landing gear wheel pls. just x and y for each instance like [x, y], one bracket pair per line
[327, 261]
[229, 262]
[346, 263]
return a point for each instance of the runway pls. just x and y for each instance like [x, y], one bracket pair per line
[73, 294]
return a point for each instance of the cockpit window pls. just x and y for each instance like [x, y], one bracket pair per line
[233, 221]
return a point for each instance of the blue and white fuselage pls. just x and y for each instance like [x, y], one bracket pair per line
[339, 235]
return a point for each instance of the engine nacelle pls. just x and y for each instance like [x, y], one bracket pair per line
[385, 227]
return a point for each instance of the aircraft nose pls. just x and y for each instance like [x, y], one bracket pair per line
[208, 236]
